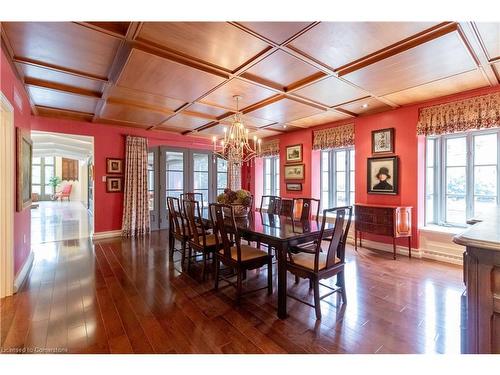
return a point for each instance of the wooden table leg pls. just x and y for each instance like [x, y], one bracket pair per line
[281, 250]
[409, 247]
[394, 247]
[355, 240]
[360, 239]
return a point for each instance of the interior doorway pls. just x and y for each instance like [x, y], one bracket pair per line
[62, 187]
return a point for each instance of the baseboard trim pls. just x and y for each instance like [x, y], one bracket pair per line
[109, 234]
[23, 272]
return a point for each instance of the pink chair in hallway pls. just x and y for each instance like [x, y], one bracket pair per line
[64, 193]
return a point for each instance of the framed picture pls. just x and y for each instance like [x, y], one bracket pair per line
[294, 154]
[382, 175]
[294, 172]
[114, 184]
[383, 141]
[24, 160]
[294, 186]
[114, 166]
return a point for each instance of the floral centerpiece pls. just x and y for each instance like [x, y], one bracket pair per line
[241, 200]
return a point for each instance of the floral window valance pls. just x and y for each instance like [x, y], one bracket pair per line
[339, 136]
[479, 112]
[270, 148]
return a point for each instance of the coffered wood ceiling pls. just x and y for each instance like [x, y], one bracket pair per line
[182, 76]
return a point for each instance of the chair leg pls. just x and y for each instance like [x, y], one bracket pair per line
[183, 250]
[244, 274]
[311, 284]
[204, 266]
[270, 276]
[217, 267]
[239, 285]
[190, 254]
[297, 279]
[341, 284]
[317, 301]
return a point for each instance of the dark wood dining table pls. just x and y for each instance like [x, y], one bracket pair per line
[280, 232]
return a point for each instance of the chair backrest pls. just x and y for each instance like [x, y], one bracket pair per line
[286, 208]
[192, 197]
[194, 222]
[175, 217]
[225, 229]
[336, 246]
[67, 189]
[274, 204]
[304, 206]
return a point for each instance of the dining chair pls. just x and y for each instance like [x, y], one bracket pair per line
[286, 208]
[310, 262]
[273, 206]
[192, 197]
[178, 229]
[198, 239]
[236, 255]
[304, 208]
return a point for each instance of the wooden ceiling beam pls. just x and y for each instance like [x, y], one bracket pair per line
[61, 88]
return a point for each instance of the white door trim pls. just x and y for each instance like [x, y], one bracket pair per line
[7, 197]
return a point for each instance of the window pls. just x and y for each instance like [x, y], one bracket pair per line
[174, 173]
[337, 178]
[200, 175]
[461, 176]
[151, 180]
[42, 171]
[272, 176]
[221, 175]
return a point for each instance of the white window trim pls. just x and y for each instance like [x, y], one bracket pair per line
[440, 176]
[275, 181]
[332, 175]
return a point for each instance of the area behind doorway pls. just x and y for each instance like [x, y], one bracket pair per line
[62, 187]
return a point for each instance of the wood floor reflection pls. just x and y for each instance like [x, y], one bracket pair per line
[126, 296]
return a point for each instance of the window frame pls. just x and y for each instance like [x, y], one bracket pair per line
[439, 166]
[274, 173]
[332, 176]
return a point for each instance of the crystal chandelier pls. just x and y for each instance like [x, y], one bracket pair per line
[235, 147]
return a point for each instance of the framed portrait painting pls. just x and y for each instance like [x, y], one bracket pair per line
[114, 184]
[294, 172]
[382, 175]
[294, 154]
[383, 141]
[24, 160]
[114, 166]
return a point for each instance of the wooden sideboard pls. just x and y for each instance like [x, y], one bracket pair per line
[481, 302]
[391, 221]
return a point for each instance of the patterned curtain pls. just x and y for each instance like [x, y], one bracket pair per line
[339, 136]
[135, 221]
[475, 113]
[270, 148]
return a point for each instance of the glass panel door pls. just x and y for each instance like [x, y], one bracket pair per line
[221, 175]
[153, 188]
[201, 175]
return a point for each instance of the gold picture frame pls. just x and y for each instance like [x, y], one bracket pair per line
[294, 172]
[24, 153]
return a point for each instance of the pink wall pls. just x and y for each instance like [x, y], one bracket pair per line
[109, 141]
[14, 92]
[408, 146]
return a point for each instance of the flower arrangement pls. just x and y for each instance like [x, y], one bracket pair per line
[239, 197]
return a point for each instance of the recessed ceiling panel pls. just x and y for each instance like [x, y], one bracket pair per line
[119, 112]
[458, 83]
[63, 44]
[57, 99]
[285, 110]
[156, 75]
[319, 119]
[206, 110]
[249, 92]
[278, 32]
[218, 43]
[439, 58]
[331, 91]
[184, 122]
[53, 76]
[490, 35]
[282, 69]
[338, 43]
[134, 96]
[366, 106]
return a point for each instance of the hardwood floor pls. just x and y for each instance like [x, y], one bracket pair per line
[126, 296]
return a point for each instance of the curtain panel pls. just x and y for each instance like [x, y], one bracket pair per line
[135, 220]
[339, 136]
[480, 112]
[270, 148]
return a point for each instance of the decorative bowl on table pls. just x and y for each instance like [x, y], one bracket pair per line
[241, 200]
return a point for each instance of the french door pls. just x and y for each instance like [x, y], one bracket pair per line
[174, 171]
